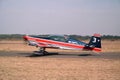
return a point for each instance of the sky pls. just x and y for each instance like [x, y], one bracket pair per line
[81, 17]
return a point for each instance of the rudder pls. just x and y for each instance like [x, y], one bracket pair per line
[95, 41]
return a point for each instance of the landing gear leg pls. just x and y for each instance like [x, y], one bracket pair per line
[40, 52]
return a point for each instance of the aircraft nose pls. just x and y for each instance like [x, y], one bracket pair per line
[25, 38]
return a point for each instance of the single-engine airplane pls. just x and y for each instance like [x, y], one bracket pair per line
[63, 42]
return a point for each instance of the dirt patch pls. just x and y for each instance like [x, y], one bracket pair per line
[57, 68]
[27, 68]
[47, 68]
[111, 46]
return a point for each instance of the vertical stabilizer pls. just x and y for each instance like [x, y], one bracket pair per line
[95, 41]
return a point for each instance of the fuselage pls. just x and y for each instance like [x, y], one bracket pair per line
[59, 42]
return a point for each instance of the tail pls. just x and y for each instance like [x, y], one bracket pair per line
[95, 43]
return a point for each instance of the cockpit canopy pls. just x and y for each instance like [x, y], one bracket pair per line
[57, 38]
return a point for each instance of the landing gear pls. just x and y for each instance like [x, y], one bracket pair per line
[41, 52]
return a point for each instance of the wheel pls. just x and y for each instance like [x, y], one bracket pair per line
[38, 53]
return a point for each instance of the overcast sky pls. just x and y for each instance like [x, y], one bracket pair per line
[81, 17]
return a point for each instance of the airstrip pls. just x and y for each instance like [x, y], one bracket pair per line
[17, 62]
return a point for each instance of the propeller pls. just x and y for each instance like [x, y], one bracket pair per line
[25, 41]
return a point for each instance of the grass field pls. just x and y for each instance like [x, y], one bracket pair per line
[18, 68]
[45, 68]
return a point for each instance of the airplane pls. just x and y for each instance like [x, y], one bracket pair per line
[63, 42]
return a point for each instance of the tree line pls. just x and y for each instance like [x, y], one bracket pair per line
[20, 37]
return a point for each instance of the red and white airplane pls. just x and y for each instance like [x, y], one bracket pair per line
[63, 42]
